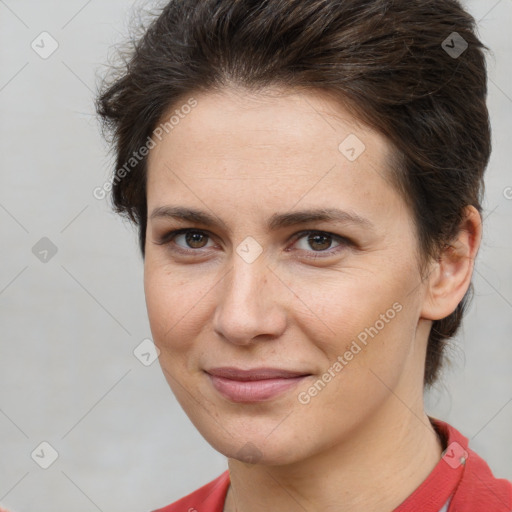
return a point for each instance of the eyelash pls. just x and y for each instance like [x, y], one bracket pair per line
[344, 242]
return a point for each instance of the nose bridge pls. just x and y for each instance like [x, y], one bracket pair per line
[248, 305]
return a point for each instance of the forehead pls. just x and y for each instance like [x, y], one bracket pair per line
[267, 121]
[240, 147]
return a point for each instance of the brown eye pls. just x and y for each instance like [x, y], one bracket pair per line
[320, 244]
[186, 240]
[319, 241]
[195, 239]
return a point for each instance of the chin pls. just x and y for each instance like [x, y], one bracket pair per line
[260, 444]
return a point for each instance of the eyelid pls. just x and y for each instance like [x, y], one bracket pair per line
[344, 242]
[169, 237]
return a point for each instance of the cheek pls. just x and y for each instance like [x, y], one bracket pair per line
[363, 360]
[344, 302]
[365, 318]
[176, 308]
[174, 305]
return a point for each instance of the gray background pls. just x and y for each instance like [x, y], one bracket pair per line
[68, 375]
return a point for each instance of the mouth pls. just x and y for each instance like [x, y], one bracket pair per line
[253, 385]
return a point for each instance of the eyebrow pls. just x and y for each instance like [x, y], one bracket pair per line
[275, 222]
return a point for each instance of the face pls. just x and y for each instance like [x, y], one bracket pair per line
[281, 274]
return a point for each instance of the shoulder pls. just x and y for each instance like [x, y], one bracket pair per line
[478, 488]
[209, 498]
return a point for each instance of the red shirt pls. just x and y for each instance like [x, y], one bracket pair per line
[460, 475]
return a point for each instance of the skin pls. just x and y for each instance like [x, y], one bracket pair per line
[364, 442]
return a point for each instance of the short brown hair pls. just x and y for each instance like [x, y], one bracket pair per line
[401, 66]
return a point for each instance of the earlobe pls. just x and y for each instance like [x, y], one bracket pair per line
[450, 276]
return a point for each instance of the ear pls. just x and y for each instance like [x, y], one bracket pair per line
[450, 276]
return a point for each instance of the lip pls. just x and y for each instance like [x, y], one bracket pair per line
[253, 385]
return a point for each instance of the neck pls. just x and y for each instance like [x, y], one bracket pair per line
[376, 469]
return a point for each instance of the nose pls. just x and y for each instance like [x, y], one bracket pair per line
[250, 304]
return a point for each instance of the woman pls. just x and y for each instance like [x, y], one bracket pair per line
[306, 178]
